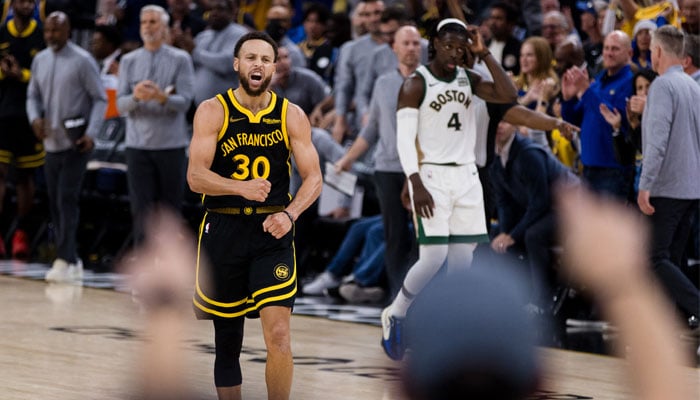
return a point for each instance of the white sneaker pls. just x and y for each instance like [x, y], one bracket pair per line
[75, 271]
[62, 271]
[325, 280]
[59, 272]
[354, 293]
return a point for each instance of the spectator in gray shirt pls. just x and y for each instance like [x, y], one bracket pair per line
[353, 62]
[301, 86]
[155, 92]
[383, 57]
[212, 52]
[668, 186]
[65, 105]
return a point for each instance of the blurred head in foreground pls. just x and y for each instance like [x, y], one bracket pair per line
[470, 338]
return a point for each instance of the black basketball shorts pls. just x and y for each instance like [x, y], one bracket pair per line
[241, 268]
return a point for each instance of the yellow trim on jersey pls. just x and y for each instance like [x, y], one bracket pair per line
[285, 135]
[224, 126]
[12, 28]
[253, 118]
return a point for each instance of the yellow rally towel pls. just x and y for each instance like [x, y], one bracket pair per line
[563, 150]
[651, 13]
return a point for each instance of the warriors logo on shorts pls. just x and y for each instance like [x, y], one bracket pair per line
[282, 272]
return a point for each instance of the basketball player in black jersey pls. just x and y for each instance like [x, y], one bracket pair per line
[240, 160]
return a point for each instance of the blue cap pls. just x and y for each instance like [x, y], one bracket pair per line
[586, 6]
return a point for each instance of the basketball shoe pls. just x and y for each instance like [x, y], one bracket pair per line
[20, 245]
[392, 335]
[58, 272]
[323, 281]
[356, 294]
[62, 271]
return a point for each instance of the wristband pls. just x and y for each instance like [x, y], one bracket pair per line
[290, 216]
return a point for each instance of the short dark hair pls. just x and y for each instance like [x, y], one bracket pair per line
[319, 9]
[394, 13]
[110, 33]
[691, 48]
[255, 35]
[512, 14]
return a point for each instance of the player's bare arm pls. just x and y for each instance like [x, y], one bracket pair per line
[410, 96]
[502, 90]
[299, 131]
[208, 121]
[304, 152]
[523, 116]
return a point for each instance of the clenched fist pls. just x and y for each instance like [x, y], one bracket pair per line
[256, 189]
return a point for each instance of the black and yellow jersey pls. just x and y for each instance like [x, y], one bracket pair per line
[23, 46]
[253, 146]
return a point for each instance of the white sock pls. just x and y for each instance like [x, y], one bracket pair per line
[429, 262]
[401, 303]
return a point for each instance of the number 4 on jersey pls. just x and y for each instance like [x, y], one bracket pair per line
[454, 122]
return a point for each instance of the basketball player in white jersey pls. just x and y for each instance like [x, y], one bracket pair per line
[436, 128]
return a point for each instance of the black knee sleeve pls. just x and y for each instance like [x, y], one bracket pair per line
[228, 339]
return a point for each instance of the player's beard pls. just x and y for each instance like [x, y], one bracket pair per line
[245, 84]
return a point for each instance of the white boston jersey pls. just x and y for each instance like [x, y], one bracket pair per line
[446, 120]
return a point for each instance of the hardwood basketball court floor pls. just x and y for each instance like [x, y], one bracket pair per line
[62, 342]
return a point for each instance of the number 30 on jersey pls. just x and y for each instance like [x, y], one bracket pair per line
[259, 168]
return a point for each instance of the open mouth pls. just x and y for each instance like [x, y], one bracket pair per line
[256, 76]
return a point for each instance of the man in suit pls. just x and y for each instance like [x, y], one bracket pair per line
[523, 175]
